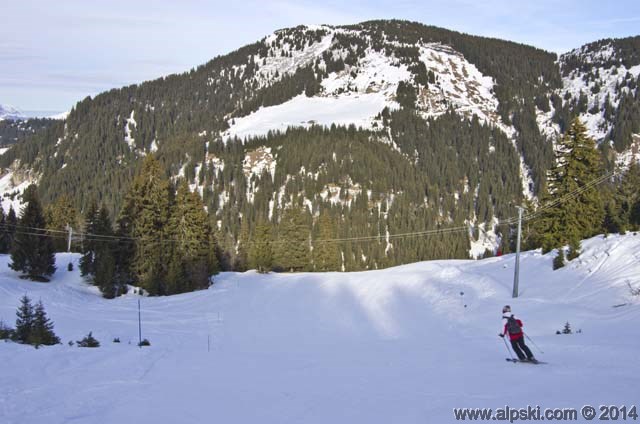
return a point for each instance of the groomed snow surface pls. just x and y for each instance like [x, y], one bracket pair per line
[390, 346]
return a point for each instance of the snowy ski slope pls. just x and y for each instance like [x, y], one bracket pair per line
[390, 346]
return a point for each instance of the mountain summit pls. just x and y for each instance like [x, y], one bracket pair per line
[10, 113]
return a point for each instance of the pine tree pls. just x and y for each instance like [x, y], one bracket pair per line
[627, 197]
[11, 222]
[212, 254]
[242, 251]
[176, 278]
[87, 260]
[574, 247]
[613, 219]
[326, 254]
[99, 259]
[261, 250]
[105, 274]
[58, 216]
[292, 251]
[105, 257]
[189, 231]
[124, 250]
[5, 240]
[558, 261]
[585, 165]
[578, 215]
[147, 210]
[42, 332]
[24, 320]
[32, 251]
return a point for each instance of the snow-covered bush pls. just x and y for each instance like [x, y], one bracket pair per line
[88, 341]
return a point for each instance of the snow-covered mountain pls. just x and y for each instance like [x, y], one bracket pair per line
[601, 80]
[403, 345]
[357, 94]
[10, 113]
[458, 129]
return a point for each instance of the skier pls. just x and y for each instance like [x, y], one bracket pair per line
[513, 326]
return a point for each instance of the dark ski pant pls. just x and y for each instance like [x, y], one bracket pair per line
[519, 346]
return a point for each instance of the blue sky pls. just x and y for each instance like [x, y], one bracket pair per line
[53, 54]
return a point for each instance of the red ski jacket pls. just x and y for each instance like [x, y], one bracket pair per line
[514, 336]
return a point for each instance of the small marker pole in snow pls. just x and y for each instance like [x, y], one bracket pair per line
[139, 327]
[516, 273]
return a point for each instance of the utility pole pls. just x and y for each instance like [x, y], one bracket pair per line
[516, 273]
[70, 229]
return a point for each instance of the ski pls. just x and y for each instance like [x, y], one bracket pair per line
[524, 362]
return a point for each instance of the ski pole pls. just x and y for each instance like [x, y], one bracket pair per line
[508, 350]
[532, 342]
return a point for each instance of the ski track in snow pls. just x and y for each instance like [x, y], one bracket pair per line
[395, 345]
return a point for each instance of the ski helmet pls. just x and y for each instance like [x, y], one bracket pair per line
[506, 309]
